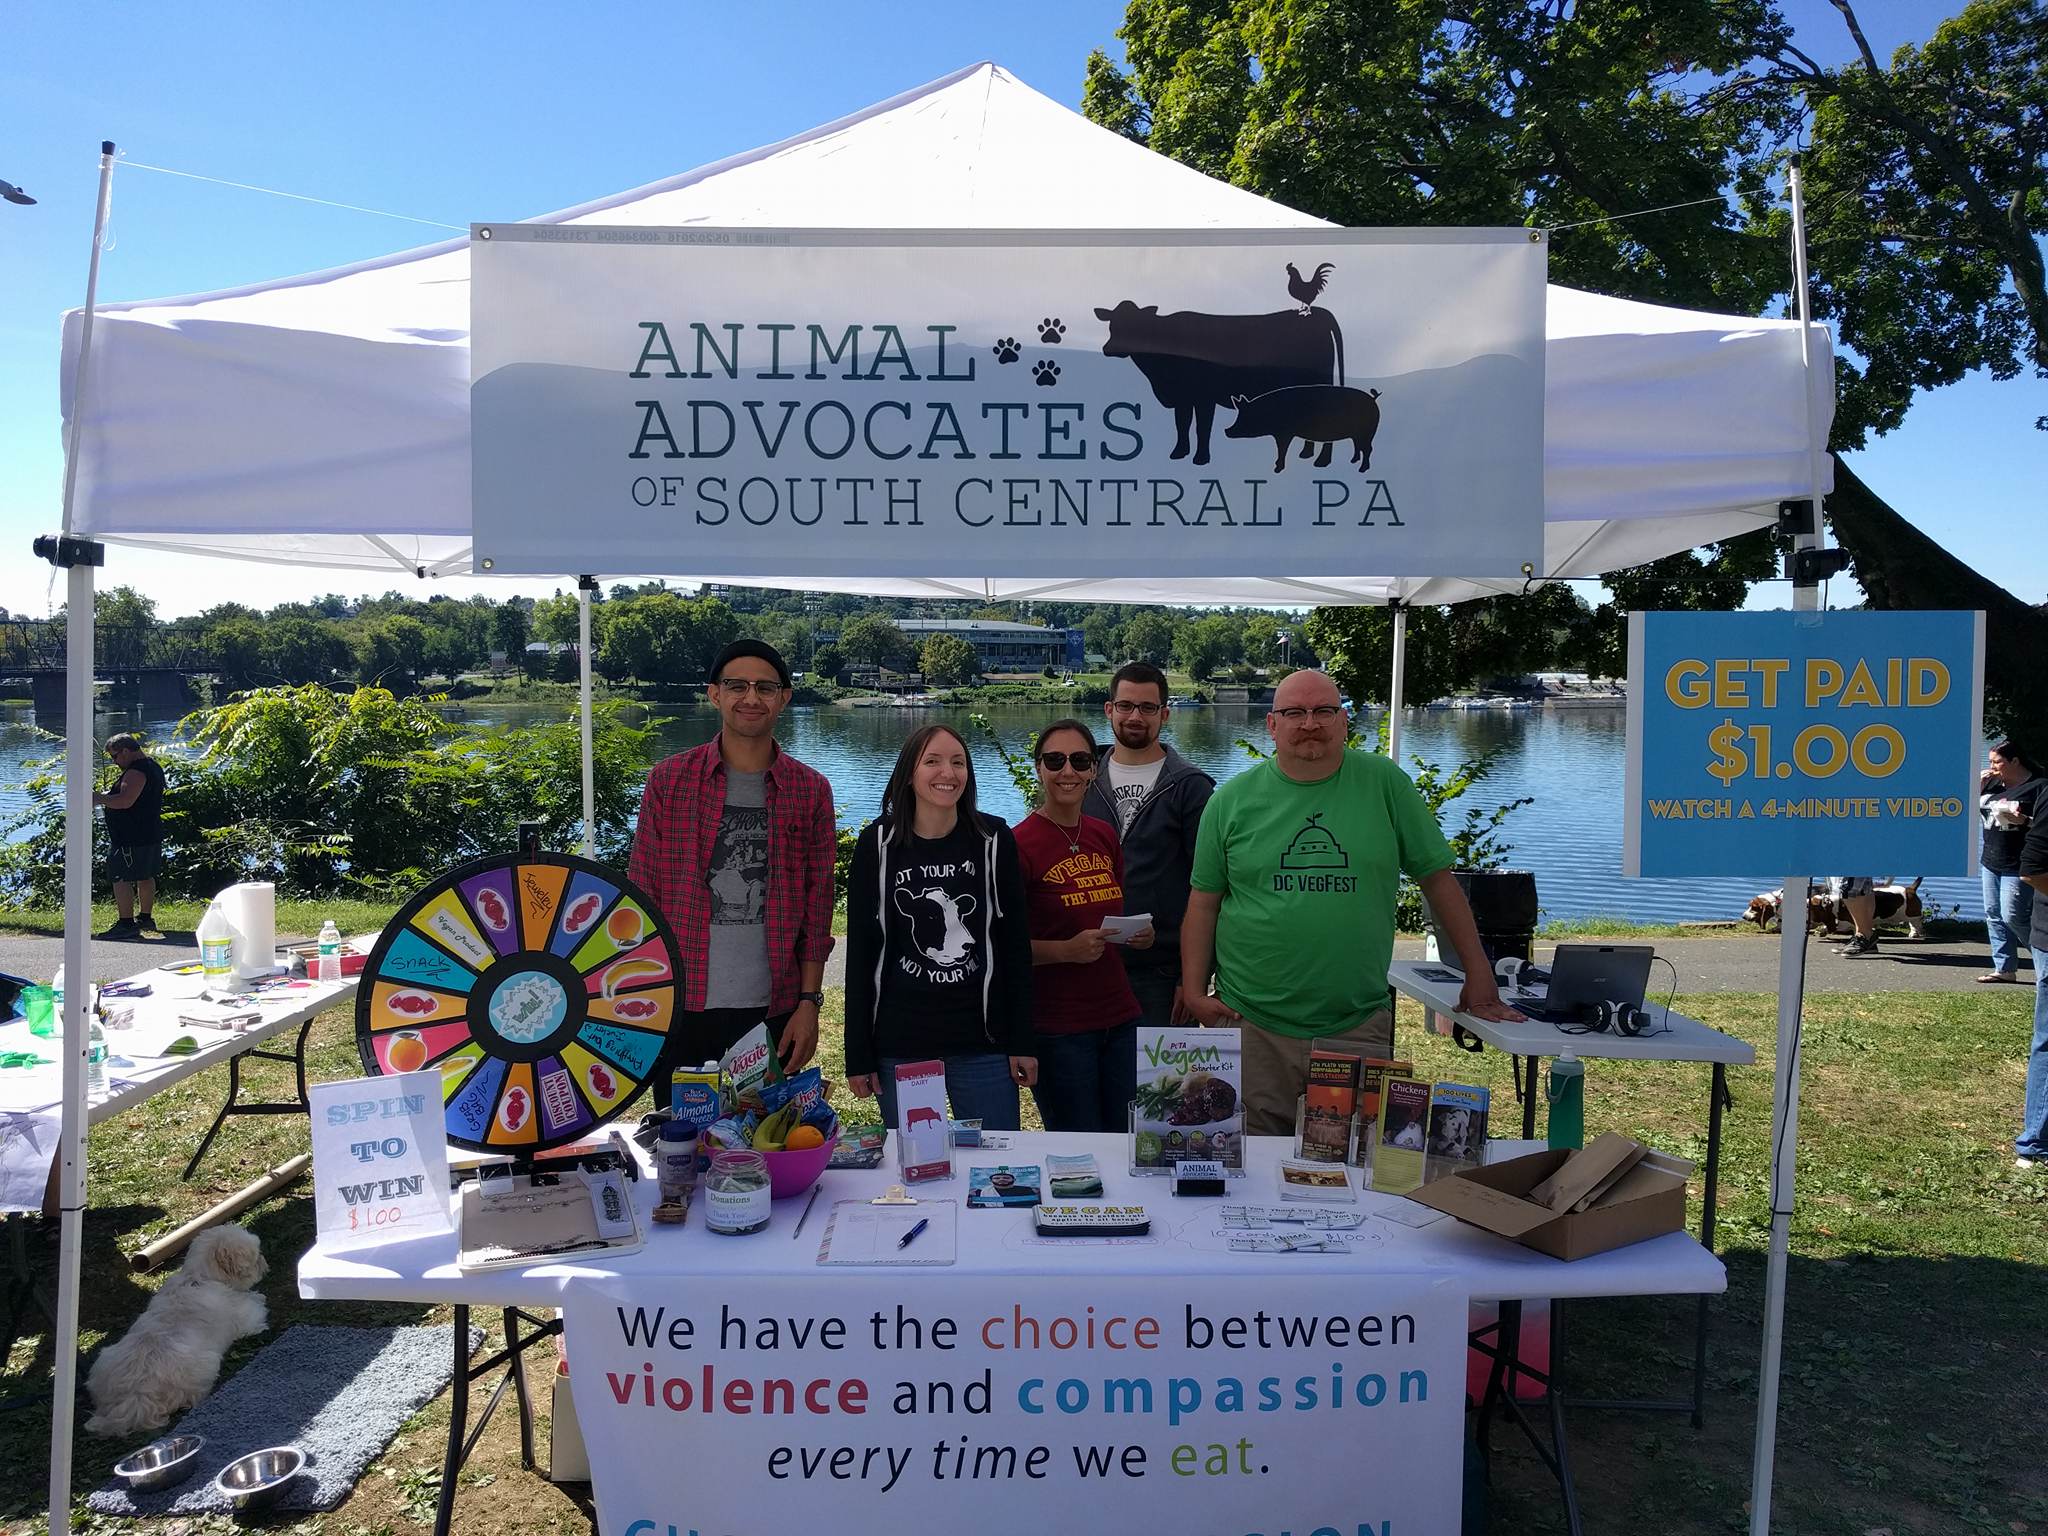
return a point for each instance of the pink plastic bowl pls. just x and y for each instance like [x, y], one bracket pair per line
[792, 1173]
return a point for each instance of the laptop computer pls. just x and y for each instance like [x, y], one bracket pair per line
[1590, 973]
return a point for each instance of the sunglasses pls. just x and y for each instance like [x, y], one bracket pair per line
[1082, 761]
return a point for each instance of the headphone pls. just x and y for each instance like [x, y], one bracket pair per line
[1514, 971]
[1621, 1018]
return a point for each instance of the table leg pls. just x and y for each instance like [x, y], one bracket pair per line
[1528, 1085]
[234, 1104]
[518, 1373]
[458, 1420]
[1718, 1100]
[1561, 1444]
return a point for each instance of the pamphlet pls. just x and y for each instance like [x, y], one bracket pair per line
[1091, 1221]
[1289, 1242]
[1073, 1178]
[1397, 1162]
[924, 1140]
[1122, 929]
[1009, 1184]
[860, 1146]
[1302, 1179]
[1190, 1099]
[1257, 1218]
[1457, 1121]
[1328, 1105]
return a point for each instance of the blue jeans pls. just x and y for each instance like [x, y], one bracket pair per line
[1153, 986]
[2008, 906]
[2033, 1139]
[977, 1088]
[1086, 1082]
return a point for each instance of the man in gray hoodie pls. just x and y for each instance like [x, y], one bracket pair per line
[1153, 797]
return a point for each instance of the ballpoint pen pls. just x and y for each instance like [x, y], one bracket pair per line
[904, 1240]
[807, 1211]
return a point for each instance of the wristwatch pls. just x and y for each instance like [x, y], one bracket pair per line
[811, 997]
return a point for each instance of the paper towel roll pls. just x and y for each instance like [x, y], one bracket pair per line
[252, 908]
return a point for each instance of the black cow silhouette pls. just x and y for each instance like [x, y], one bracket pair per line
[1196, 362]
[1315, 413]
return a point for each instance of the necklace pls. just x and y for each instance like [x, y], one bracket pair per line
[1073, 838]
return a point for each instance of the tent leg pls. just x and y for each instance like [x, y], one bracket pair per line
[1791, 969]
[1397, 684]
[78, 761]
[585, 586]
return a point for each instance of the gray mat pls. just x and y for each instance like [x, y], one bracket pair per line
[338, 1394]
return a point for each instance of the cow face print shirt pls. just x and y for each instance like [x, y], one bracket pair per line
[938, 948]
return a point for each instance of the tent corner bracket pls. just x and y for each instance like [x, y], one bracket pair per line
[64, 550]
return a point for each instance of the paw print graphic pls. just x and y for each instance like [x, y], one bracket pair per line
[1006, 349]
[1050, 331]
[1045, 373]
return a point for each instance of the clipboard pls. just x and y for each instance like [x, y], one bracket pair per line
[861, 1232]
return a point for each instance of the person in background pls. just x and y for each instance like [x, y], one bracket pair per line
[1296, 874]
[2031, 1147]
[1857, 896]
[736, 844]
[2008, 795]
[1154, 798]
[135, 836]
[938, 949]
[1083, 1008]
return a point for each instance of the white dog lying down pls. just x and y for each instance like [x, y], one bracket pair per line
[171, 1358]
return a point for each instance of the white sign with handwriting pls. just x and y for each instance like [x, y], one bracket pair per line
[380, 1159]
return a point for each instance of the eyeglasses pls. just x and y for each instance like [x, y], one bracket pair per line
[1133, 707]
[736, 687]
[1082, 761]
[1322, 714]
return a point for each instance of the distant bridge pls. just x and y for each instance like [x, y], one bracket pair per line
[153, 659]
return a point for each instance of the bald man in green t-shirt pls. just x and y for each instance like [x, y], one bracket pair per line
[1296, 870]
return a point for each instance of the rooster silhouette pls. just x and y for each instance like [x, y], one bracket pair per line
[1305, 290]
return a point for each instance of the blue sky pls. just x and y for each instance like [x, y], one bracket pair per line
[462, 111]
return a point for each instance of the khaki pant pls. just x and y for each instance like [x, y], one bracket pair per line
[1276, 1068]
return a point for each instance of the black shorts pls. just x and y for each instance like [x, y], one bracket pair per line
[138, 861]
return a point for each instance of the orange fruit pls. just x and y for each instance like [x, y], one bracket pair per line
[804, 1137]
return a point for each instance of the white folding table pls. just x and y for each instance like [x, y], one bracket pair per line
[1671, 1036]
[424, 1269]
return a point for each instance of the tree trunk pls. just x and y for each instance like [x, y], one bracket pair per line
[1900, 567]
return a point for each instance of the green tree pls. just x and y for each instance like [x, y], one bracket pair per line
[508, 632]
[874, 640]
[122, 608]
[1927, 205]
[947, 661]
[1261, 643]
[1206, 646]
[301, 650]
[239, 649]
[1148, 636]
[628, 646]
[829, 663]
[557, 619]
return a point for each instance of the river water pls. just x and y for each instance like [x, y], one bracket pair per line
[1569, 760]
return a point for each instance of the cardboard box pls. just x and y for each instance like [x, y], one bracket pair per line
[1569, 1204]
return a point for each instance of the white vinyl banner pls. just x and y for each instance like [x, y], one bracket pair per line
[866, 1402]
[828, 402]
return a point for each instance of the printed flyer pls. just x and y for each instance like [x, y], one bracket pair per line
[1190, 1099]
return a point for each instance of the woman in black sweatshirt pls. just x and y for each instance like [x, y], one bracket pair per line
[938, 954]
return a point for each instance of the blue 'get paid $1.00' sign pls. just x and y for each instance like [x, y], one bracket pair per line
[1832, 743]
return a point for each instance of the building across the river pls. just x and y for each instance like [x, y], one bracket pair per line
[1003, 646]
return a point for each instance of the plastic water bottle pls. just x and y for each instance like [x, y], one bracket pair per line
[216, 945]
[1567, 1120]
[329, 963]
[95, 1055]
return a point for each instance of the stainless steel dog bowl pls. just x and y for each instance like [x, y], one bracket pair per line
[254, 1482]
[160, 1463]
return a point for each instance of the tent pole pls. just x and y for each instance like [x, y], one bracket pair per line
[1791, 966]
[1397, 685]
[79, 556]
[585, 586]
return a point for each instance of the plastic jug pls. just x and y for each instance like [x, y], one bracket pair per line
[1566, 1126]
[216, 945]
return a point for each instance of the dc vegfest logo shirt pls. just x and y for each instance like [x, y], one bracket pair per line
[1308, 874]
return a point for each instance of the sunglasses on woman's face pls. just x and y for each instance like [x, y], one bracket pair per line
[1082, 761]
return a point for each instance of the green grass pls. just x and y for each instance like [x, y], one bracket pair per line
[181, 918]
[1916, 1373]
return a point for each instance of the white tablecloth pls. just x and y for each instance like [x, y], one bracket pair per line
[1183, 1242]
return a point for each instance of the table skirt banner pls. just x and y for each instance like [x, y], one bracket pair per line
[952, 404]
[873, 1402]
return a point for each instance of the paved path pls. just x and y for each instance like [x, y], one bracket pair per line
[1746, 964]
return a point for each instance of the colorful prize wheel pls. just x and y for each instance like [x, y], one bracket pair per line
[542, 986]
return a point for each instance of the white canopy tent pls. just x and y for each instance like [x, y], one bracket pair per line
[323, 420]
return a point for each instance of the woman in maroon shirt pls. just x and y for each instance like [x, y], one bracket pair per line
[1083, 1010]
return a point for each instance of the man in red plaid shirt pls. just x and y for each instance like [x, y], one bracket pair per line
[735, 844]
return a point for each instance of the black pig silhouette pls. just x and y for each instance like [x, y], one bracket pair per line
[1196, 362]
[1315, 413]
